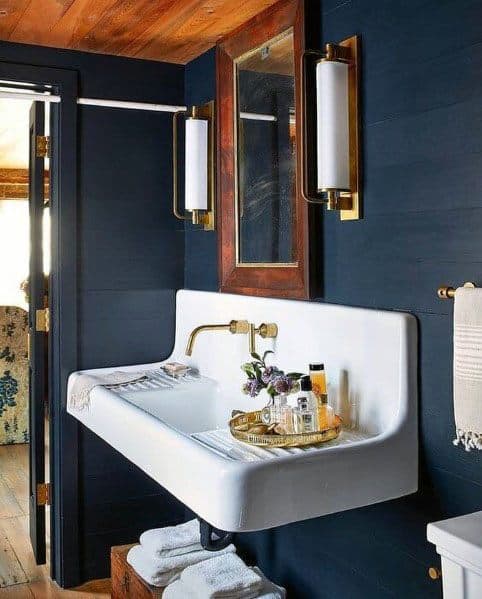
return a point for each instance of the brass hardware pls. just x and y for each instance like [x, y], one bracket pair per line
[446, 292]
[44, 491]
[42, 146]
[206, 218]
[347, 202]
[235, 327]
[265, 331]
[42, 320]
[435, 573]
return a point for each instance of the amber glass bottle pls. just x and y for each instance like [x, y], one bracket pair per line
[318, 382]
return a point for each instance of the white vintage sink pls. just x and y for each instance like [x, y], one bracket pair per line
[177, 432]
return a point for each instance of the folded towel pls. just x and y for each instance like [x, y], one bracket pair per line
[178, 590]
[269, 590]
[161, 571]
[79, 390]
[468, 367]
[172, 540]
[223, 576]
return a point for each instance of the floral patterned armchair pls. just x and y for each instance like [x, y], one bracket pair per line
[14, 375]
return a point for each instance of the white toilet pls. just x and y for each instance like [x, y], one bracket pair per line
[459, 543]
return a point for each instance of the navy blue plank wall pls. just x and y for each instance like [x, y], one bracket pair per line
[422, 121]
[131, 255]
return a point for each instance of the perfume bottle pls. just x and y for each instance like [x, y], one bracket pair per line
[279, 412]
[318, 379]
[326, 414]
[304, 417]
[307, 391]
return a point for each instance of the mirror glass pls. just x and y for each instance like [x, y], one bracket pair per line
[266, 153]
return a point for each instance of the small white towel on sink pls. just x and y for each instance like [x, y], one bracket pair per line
[468, 367]
[79, 391]
[222, 577]
[172, 540]
[161, 571]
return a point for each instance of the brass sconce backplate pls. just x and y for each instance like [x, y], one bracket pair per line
[354, 127]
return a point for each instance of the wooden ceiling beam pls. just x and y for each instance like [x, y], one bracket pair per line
[169, 30]
[37, 19]
[14, 183]
[78, 22]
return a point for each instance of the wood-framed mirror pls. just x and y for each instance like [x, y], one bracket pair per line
[264, 240]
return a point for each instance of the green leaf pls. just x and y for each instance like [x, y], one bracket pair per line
[267, 352]
[256, 356]
[248, 368]
[295, 375]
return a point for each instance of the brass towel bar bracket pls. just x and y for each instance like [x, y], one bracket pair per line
[446, 292]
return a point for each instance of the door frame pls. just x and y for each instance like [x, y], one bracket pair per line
[63, 298]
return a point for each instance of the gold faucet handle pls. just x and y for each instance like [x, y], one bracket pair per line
[268, 330]
[237, 327]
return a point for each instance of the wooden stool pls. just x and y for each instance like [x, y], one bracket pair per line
[126, 583]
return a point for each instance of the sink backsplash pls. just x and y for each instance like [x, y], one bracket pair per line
[362, 350]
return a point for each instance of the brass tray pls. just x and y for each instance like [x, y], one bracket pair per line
[244, 421]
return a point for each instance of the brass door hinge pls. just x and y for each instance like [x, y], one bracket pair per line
[42, 320]
[44, 491]
[42, 146]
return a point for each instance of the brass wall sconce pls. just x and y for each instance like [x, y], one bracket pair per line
[199, 180]
[336, 131]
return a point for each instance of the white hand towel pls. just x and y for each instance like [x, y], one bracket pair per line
[223, 576]
[161, 571]
[269, 590]
[79, 390]
[468, 367]
[172, 540]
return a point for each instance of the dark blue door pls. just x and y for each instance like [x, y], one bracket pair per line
[38, 331]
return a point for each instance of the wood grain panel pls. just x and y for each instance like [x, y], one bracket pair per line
[168, 30]
[279, 281]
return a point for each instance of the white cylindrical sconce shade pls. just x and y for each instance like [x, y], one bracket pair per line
[333, 137]
[196, 167]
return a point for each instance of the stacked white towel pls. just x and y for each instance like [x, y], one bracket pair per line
[172, 540]
[165, 552]
[223, 577]
[160, 571]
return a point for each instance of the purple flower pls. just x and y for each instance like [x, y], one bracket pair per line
[282, 384]
[270, 373]
[252, 387]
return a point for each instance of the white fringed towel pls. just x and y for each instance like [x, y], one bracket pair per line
[468, 367]
[78, 395]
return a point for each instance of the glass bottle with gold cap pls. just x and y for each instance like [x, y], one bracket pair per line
[326, 414]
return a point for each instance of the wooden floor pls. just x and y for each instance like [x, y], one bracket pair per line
[20, 577]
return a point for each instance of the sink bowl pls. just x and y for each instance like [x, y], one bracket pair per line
[176, 430]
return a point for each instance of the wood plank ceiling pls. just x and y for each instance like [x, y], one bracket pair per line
[167, 30]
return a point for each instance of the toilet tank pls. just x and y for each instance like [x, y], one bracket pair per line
[459, 543]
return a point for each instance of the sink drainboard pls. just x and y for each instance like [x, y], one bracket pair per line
[222, 442]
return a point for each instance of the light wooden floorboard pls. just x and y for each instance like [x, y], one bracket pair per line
[20, 577]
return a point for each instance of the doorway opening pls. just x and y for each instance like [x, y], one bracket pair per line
[24, 335]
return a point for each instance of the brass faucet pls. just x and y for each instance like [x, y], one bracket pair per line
[265, 331]
[235, 327]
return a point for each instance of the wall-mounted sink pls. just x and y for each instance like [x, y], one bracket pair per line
[177, 431]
